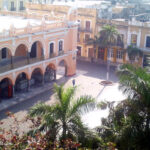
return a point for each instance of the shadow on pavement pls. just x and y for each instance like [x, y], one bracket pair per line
[96, 70]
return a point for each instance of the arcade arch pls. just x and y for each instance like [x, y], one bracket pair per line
[37, 51]
[36, 77]
[21, 83]
[6, 88]
[50, 73]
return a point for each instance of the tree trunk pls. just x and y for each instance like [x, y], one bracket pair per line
[64, 131]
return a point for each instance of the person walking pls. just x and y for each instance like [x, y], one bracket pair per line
[73, 82]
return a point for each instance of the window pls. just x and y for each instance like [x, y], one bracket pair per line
[148, 41]
[12, 6]
[120, 39]
[133, 39]
[21, 5]
[87, 25]
[87, 37]
[60, 45]
[111, 53]
[119, 54]
[51, 48]
[4, 53]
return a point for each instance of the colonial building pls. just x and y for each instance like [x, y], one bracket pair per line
[13, 5]
[132, 33]
[31, 49]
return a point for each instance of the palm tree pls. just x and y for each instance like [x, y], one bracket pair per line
[63, 119]
[108, 38]
[128, 122]
[134, 52]
[95, 42]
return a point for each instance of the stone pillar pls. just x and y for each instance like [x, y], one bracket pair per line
[12, 62]
[105, 54]
[115, 55]
[54, 75]
[13, 90]
[28, 88]
[43, 80]
[28, 58]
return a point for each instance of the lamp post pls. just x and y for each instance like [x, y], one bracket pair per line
[108, 64]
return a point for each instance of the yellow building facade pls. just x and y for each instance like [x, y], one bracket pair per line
[13, 5]
[132, 33]
[86, 30]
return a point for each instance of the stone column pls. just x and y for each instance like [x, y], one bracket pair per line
[54, 75]
[13, 90]
[43, 80]
[12, 62]
[28, 88]
[28, 57]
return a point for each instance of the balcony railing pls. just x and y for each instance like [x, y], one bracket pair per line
[52, 55]
[21, 61]
[85, 30]
[60, 52]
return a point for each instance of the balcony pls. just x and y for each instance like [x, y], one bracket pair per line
[60, 52]
[52, 55]
[85, 30]
[16, 62]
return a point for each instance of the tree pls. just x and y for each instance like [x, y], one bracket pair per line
[95, 42]
[134, 52]
[63, 119]
[108, 38]
[128, 124]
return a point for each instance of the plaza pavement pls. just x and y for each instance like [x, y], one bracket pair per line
[87, 78]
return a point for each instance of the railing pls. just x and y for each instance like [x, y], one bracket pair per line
[52, 55]
[85, 30]
[20, 63]
[34, 60]
[23, 61]
[60, 52]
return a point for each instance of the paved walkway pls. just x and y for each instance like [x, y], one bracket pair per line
[88, 78]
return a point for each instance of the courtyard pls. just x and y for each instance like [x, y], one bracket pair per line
[87, 79]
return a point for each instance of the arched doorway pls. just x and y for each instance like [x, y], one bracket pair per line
[21, 56]
[50, 73]
[21, 84]
[37, 52]
[6, 89]
[36, 77]
[5, 59]
[62, 69]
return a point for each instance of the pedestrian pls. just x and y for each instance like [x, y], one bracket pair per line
[73, 82]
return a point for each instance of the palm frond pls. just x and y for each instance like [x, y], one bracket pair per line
[134, 81]
[83, 104]
[39, 109]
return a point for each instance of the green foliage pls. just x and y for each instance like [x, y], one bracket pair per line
[108, 36]
[134, 52]
[128, 123]
[63, 119]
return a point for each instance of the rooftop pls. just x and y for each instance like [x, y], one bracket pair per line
[18, 22]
